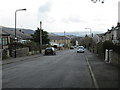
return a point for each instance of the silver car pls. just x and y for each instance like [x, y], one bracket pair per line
[81, 49]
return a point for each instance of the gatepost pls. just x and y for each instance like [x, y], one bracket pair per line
[106, 55]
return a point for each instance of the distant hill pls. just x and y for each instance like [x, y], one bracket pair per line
[25, 31]
[69, 34]
[52, 34]
[28, 31]
[78, 34]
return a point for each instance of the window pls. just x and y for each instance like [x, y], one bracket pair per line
[0, 41]
[5, 40]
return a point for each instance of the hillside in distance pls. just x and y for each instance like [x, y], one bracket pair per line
[26, 31]
[79, 34]
[75, 33]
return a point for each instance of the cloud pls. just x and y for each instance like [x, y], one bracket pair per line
[45, 8]
[44, 13]
[101, 24]
[50, 19]
[73, 19]
[98, 19]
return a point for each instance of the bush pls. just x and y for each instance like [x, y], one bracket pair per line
[108, 45]
[46, 46]
[4, 54]
[100, 48]
[18, 45]
[116, 48]
[32, 46]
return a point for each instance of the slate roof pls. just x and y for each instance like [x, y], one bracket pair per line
[100, 35]
[58, 38]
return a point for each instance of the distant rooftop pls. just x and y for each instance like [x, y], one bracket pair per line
[58, 38]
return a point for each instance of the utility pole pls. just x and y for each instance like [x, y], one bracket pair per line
[64, 39]
[40, 37]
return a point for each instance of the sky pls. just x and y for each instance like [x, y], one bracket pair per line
[60, 15]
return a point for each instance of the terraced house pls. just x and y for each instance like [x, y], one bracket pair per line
[113, 35]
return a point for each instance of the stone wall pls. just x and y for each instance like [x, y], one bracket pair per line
[21, 52]
[0, 56]
[115, 58]
[33, 52]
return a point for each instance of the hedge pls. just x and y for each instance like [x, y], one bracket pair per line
[109, 45]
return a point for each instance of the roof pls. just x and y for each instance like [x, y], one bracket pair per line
[100, 35]
[58, 38]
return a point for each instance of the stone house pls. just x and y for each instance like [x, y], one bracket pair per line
[4, 42]
[76, 41]
[118, 33]
[112, 35]
[61, 40]
[107, 36]
[98, 38]
[7, 36]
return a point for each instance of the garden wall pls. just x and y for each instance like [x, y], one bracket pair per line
[115, 58]
[21, 52]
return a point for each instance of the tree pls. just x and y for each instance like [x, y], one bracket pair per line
[36, 36]
[86, 35]
[107, 45]
[87, 41]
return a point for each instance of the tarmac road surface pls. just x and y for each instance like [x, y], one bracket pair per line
[67, 69]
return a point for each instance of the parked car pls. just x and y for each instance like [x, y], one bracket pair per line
[81, 49]
[50, 51]
[80, 46]
[75, 46]
[72, 47]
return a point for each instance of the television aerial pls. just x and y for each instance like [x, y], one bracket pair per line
[95, 1]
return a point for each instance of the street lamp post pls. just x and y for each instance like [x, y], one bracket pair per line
[40, 37]
[90, 31]
[15, 26]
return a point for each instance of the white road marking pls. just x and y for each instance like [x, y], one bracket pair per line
[92, 74]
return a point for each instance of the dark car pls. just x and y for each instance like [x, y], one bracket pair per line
[50, 51]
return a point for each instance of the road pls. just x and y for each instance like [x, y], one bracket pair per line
[67, 69]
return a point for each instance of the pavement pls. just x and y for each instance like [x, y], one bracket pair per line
[13, 60]
[105, 74]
